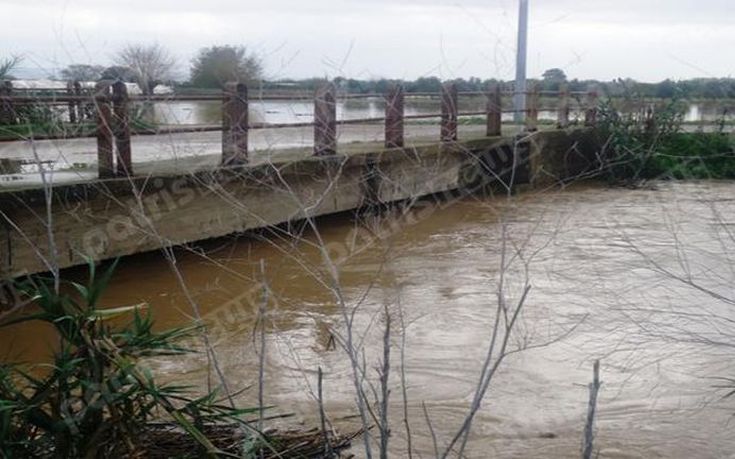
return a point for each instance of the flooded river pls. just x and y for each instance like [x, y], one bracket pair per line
[640, 279]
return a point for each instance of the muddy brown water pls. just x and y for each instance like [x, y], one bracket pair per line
[640, 279]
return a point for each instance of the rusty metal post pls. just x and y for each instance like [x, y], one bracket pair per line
[121, 128]
[72, 105]
[450, 112]
[394, 106]
[105, 164]
[85, 110]
[563, 113]
[590, 114]
[7, 112]
[235, 121]
[494, 110]
[325, 121]
[532, 108]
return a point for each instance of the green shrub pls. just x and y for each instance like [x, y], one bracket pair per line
[96, 400]
[695, 155]
[650, 143]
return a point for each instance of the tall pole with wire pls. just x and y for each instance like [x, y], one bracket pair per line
[519, 96]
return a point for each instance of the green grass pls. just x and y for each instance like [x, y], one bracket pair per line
[64, 130]
[642, 146]
[694, 155]
[28, 130]
[469, 121]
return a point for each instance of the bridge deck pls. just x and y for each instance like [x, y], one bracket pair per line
[99, 219]
[74, 160]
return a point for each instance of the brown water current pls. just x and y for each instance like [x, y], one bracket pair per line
[640, 279]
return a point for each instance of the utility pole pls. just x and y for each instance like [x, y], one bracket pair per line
[519, 96]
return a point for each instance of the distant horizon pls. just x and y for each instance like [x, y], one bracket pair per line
[21, 73]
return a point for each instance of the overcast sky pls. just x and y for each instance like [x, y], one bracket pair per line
[648, 40]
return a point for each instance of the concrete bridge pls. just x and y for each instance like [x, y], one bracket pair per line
[119, 212]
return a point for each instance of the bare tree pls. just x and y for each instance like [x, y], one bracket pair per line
[150, 64]
[589, 428]
[7, 65]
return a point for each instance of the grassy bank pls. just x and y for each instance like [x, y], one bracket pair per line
[62, 130]
[694, 155]
[38, 130]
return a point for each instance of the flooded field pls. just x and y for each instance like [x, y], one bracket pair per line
[640, 279]
[271, 111]
[298, 111]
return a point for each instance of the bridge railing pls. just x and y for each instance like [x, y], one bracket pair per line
[109, 106]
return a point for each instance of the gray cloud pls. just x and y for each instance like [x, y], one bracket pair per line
[649, 40]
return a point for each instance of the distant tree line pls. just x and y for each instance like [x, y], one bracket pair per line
[552, 80]
[151, 65]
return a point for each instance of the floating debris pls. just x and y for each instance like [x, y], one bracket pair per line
[163, 441]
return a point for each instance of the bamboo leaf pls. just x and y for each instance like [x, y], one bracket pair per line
[195, 433]
[105, 314]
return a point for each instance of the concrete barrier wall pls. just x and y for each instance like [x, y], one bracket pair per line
[562, 156]
[112, 218]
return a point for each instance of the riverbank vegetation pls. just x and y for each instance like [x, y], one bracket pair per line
[652, 143]
[39, 121]
[96, 400]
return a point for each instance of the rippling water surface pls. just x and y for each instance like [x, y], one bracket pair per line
[637, 278]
